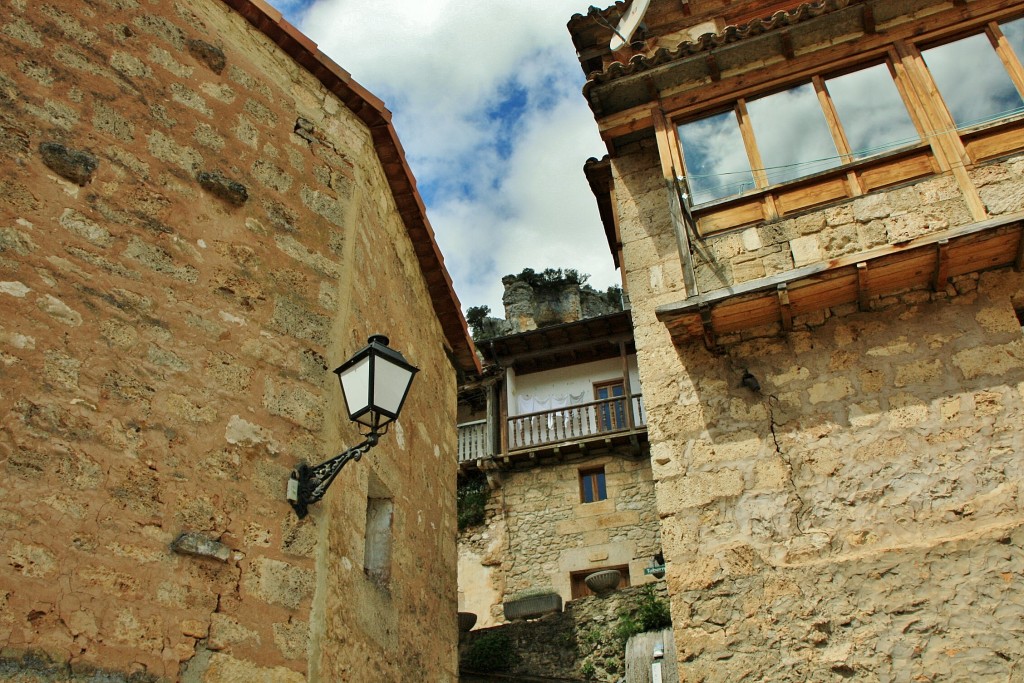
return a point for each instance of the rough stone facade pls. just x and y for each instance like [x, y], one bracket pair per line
[880, 460]
[193, 230]
[537, 531]
[859, 516]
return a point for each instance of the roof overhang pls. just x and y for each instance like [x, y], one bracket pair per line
[563, 345]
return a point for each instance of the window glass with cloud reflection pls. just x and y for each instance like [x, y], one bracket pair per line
[792, 134]
[972, 81]
[871, 111]
[716, 160]
[1014, 32]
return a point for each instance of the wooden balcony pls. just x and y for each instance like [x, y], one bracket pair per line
[586, 426]
[576, 425]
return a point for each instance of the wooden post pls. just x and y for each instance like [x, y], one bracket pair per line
[626, 389]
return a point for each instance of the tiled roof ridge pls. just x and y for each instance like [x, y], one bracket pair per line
[371, 110]
[708, 41]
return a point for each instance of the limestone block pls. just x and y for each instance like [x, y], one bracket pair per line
[805, 250]
[919, 372]
[990, 360]
[870, 207]
[226, 669]
[276, 582]
[834, 389]
[696, 489]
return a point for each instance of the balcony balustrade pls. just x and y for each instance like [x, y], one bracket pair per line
[473, 443]
[577, 422]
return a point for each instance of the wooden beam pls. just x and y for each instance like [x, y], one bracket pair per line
[709, 328]
[867, 18]
[787, 45]
[671, 169]
[712, 64]
[1018, 264]
[941, 265]
[787, 310]
[863, 298]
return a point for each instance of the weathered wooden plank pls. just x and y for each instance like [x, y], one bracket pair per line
[784, 307]
[812, 194]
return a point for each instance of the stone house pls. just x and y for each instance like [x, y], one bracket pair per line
[818, 210]
[200, 216]
[558, 427]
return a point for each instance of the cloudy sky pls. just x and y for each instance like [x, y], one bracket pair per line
[486, 100]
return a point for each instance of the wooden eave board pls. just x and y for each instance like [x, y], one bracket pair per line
[992, 244]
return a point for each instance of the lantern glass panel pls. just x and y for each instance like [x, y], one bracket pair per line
[390, 386]
[355, 385]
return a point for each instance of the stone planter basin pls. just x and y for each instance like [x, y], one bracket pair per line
[532, 606]
[604, 582]
[467, 620]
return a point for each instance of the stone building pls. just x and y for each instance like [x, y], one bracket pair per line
[818, 208]
[200, 216]
[557, 426]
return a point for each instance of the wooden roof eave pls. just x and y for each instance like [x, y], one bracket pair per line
[928, 260]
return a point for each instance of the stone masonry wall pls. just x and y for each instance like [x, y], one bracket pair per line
[546, 532]
[192, 233]
[861, 516]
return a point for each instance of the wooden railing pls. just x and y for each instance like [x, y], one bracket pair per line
[473, 443]
[570, 423]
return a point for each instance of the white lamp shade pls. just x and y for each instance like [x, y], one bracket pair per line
[375, 382]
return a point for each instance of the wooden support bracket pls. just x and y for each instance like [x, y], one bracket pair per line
[941, 265]
[867, 16]
[863, 298]
[709, 329]
[1019, 263]
[787, 45]
[785, 308]
[712, 64]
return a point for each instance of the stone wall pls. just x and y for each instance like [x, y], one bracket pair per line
[822, 527]
[537, 531]
[192, 232]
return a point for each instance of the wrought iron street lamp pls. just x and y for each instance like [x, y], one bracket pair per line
[374, 384]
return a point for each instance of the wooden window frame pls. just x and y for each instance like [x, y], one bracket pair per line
[593, 472]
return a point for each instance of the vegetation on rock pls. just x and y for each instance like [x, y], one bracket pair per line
[471, 501]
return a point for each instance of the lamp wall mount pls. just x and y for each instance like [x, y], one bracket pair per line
[308, 484]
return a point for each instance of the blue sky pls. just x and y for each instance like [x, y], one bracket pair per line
[486, 100]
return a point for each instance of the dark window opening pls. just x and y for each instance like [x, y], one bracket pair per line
[592, 485]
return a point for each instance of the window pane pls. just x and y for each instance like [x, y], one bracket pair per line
[716, 160]
[792, 134]
[1014, 32]
[972, 81]
[871, 111]
[602, 492]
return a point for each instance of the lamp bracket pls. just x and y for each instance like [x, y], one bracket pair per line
[308, 484]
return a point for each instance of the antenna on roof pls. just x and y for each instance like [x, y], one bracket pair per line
[628, 24]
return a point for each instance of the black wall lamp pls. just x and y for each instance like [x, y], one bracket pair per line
[374, 384]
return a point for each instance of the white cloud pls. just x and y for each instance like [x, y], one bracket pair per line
[504, 192]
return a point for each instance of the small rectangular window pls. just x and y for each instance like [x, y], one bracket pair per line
[380, 512]
[592, 485]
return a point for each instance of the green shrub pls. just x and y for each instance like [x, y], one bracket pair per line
[471, 502]
[650, 614]
[490, 652]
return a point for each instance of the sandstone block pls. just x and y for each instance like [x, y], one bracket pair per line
[278, 583]
[226, 669]
[805, 250]
[696, 489]
[990, 360]
[834, 389]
